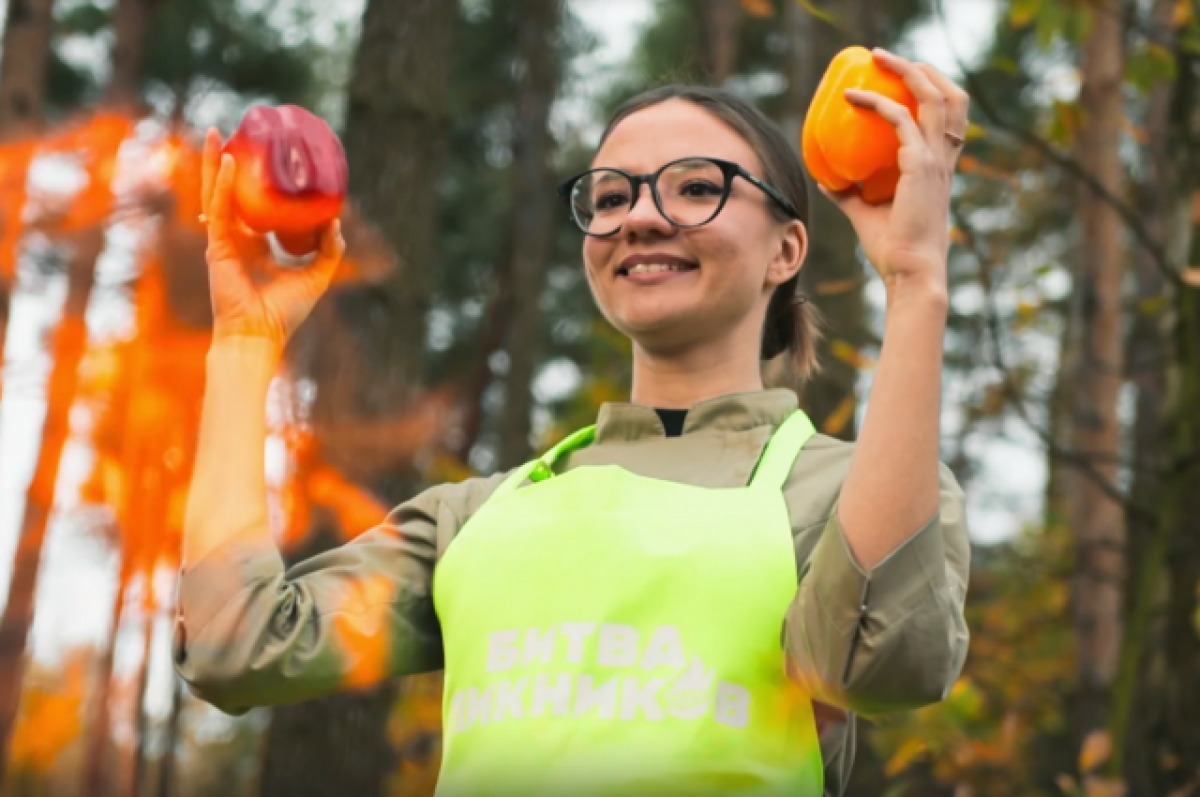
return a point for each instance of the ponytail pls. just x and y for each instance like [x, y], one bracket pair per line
[792, 325]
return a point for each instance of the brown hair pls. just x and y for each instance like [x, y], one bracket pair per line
[792, 323]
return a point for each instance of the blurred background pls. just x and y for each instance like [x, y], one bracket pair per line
[459, 338]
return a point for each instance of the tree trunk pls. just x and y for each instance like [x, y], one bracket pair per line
[1181, 692]
[833, 276]
[722, 22]
[96, 752]
[66, 350]
[140, 723]
[1098, 521]
[491, 339]
[396, 146]
[26, 52]
[1163, 215]
[23, 67]
[166, 769]
[131, 19]
[331, 745]
[533, 225]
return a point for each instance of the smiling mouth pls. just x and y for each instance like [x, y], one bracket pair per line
[654, 268]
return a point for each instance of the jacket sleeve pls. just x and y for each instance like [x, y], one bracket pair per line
[252, 633]
[893, 638]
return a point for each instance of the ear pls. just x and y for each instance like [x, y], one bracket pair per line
[790, 252]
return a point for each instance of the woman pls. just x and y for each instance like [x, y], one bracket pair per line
[692, 597]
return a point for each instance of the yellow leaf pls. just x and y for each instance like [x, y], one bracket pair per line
[818, 12]
[1182, 14]
[1103, 787]
[904, 756]
[1023, 12]
[975, 132]
[840, 416]
[1026, 310]
[846, 352]
[1097, 747]
[1152, 305]
[836, 287]
[1067, 784]
[972, 165]
[759, 8]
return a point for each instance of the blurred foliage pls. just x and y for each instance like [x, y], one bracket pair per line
[191, 46]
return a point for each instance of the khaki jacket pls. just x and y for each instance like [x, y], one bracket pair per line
[252, 633]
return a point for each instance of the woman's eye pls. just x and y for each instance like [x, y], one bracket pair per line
[611, 201]
[700, 188]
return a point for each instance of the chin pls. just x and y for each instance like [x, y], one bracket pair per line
[657, 331]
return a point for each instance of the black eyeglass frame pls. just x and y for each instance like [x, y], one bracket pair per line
[728, 168]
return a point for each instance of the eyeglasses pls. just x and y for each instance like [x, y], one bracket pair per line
[688, 193]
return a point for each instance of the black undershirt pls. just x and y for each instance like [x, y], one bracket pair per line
[672, 421]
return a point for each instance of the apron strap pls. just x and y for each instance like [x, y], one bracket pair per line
[543, 467]
[781, 451]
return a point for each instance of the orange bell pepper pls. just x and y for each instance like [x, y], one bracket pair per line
[846, 146]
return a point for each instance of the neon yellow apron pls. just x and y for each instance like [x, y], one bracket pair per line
[611, 634]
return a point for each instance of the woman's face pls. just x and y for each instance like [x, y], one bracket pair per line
[730, 265]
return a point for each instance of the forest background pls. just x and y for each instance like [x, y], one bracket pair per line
[459, 338]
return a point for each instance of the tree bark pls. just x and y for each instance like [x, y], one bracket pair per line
[166, 769]
[1147, 357]
[131, 20]
[96, 752]
[833, 275]
[1098, 521]
[23, 62]
[396, 147]
[66, 350]
[722, 22]
[533, 224]
[23, 67]
[140, 720]
[492, 333]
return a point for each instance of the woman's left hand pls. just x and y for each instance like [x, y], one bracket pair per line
[907, 240]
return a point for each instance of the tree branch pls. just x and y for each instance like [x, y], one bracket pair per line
[1064, 162]
[1013, 394]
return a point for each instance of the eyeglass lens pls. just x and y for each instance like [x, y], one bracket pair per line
[690, 193]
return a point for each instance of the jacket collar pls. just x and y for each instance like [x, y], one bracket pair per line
[733, 412]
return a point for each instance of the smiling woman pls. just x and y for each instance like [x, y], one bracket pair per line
[692, 192]
[658, 605]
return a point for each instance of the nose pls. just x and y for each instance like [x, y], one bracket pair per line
[644, 219]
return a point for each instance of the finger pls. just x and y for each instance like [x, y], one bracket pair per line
[899, 116]
[302, 289]
[253, 247]
[210, 163]
[958, 104]
[847, 201]
[329, 256]
[932, 101]
[220, 209]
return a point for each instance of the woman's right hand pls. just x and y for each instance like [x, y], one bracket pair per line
[252, 294]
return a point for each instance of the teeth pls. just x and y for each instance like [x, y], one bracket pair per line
[652, 268]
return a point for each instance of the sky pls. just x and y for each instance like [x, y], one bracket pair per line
[77, 583]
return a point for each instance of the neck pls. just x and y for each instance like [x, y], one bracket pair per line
[679, 379]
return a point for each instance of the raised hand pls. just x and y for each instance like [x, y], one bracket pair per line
[252, 294]
[907, 240]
